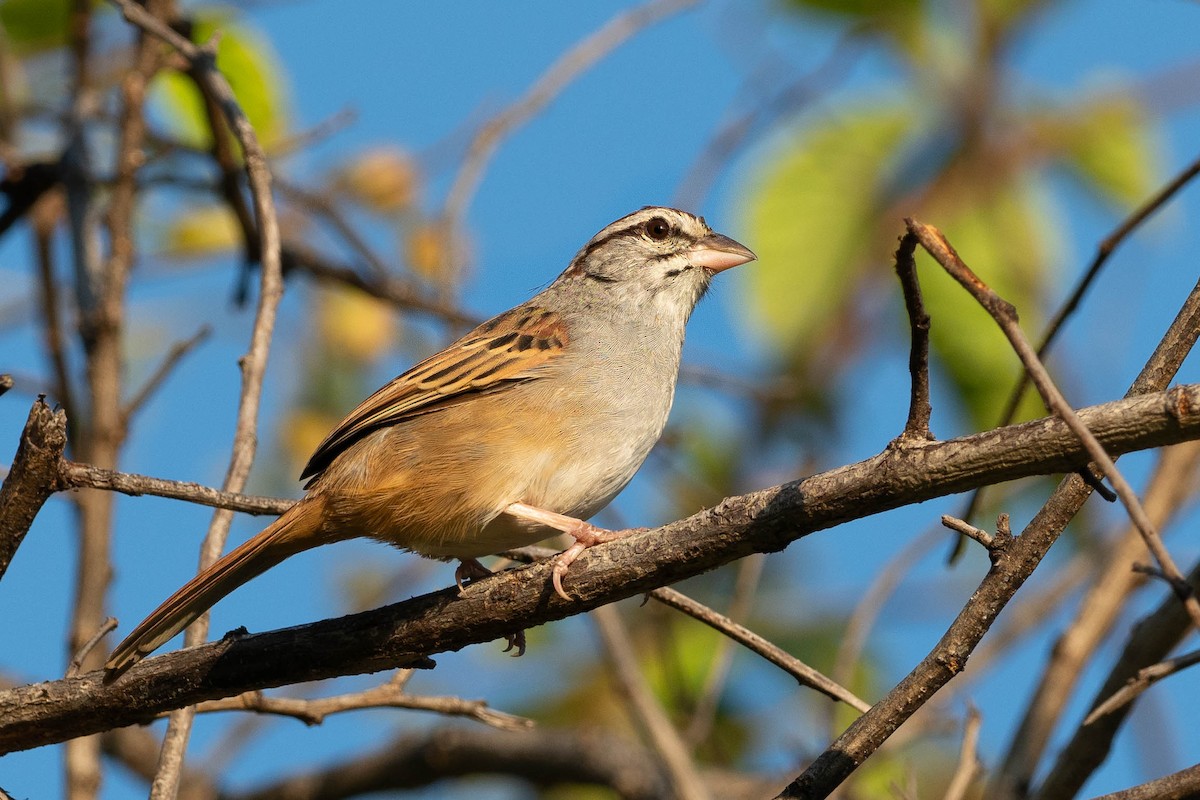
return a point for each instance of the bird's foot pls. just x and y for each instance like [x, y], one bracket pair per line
[469, 569]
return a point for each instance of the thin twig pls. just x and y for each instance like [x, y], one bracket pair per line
[916, 428]
[172, 358]
[1143, 680]
[318, 204]
[803, 673]
[202, 63]
[108, 626]
[76, 476]
[1006, 317]
[650, 716]
[1105, 249]
[749, 573]
[388, 695]
[970, 531]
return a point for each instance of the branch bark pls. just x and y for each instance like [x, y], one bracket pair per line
[404, 634]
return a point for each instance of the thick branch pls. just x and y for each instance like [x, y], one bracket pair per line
[33, 477]
[767, 520]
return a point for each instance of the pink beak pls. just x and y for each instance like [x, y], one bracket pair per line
[716, 253]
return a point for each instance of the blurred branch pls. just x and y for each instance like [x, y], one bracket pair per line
[32, 478]
[1151, 639]
[6, 382]
[557, 77]
[215, 88]
[44, 219]
[1010, 569]
[176, 354]
[645, 709]
[745, 589]
[1105, 250]
[1143, 680]
[969, 765]
[387, 695]
[916, 428]
[542, 758]
[316, 203]
[763, 521]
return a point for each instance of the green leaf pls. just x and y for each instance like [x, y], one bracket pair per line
[35, 25]
[1110, 146]
[253, 71]
[807, 220]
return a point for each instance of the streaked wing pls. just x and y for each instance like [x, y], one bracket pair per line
[505, 349]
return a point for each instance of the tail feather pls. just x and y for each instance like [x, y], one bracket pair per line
[297, 530]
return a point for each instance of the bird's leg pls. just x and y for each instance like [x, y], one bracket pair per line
[584, 533]
[469, 569]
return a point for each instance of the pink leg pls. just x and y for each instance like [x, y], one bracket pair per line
[585, 534]
[469, 569]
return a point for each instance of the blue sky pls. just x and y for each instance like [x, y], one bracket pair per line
[620, 137]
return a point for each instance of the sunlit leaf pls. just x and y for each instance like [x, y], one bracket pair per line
[354, 325]
[1111, 147]
[203, 231]
[807, 220]
[253, 71]
[383, 179]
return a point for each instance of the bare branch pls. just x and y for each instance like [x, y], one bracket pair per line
[1143, 680]
[388, 695]
[73, 475]
[108, 626]
[1098, 610]
[1151, 639]
[762, 521]
[202, 67]
[1006, 317]
[1006, 577]
[1176, 786]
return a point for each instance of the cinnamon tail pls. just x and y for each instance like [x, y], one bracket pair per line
[297, 530]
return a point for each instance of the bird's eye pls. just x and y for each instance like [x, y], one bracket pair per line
[658, 228]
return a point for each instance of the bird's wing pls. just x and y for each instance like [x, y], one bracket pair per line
[507, 348]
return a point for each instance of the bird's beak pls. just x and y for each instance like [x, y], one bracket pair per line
[716, 253]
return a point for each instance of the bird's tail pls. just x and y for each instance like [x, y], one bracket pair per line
[297, 530]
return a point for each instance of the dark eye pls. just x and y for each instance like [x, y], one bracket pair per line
[658, 228]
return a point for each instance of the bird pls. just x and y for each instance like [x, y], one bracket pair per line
[522, 429]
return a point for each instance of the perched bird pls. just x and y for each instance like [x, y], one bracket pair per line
[523, 428]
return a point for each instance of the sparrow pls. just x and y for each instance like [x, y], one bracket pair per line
[522, 429]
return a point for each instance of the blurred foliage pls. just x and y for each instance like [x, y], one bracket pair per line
[254, 74]
[32, 26]
[957, 150]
